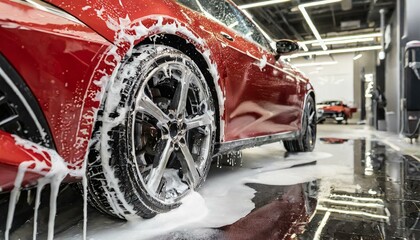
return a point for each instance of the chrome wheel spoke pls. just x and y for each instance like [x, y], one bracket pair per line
[311, 136]
[310, 131]
[198, 121]
[311, 117]
[179, 100]
[156, 174]
[146, 105]
[188, 161]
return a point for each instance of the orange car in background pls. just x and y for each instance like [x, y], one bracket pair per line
[335, 110]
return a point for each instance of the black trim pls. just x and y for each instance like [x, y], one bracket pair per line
[13, 113]
[253, 142]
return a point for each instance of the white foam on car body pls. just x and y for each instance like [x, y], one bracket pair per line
[52, 169]
[121, 27]
[59, 168]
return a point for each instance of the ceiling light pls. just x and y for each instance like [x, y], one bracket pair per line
[309, 20]
[260, 4]
[369, 35]
[312, 27]
[381, 55]
[343, 50]
[315, 64]
[303, 46]
[294, 9]
[358, 56]
[318, 3]
[234, 24]
[345, 41]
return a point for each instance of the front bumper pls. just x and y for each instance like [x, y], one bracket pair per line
[323, 115]
[13, 157]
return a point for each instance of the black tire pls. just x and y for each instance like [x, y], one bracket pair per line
[140, 165]
[305, 142]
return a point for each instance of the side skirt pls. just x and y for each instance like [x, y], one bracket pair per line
[237, 145]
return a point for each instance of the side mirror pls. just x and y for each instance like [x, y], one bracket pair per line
[286, 46]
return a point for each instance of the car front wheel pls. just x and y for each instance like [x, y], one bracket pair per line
[155, 135]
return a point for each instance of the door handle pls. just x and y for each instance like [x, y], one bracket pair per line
[227, 36]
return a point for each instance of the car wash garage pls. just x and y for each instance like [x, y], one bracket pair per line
[210, 119]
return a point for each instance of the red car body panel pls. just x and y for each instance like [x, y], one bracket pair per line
[61, 60]
[54, 56]
[10, 162]
[247, 101]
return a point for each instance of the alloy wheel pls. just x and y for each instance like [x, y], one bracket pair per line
[172, 130]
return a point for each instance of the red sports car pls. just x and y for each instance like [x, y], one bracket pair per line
[336, 110]
[136, 97]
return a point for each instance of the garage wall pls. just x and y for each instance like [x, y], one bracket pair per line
[368, 62]
[331, 81]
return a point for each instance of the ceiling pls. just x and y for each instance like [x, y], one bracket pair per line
[348, 17]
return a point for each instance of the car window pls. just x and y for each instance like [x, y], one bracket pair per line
[192, 4]
[225, 13]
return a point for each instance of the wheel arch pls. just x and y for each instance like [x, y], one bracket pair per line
[189, 49]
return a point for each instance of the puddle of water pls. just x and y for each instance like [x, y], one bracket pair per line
[381, 202]
[361, 183]
[224, 199]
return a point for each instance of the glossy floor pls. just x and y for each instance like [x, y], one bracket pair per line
[357, 184]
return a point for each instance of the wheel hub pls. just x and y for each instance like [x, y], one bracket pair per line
[173, 130]
[177, 130]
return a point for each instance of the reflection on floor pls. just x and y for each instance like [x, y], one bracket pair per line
[278, 218]
[385, 204]
[331, 140]
[360, 188]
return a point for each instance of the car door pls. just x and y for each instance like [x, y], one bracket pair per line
[261, 93]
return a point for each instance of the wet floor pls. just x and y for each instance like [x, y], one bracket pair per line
[353, 186]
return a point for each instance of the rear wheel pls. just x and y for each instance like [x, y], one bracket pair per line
[155, 136]
[305, 142]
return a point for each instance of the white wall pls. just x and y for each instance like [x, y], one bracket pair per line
[331, 82]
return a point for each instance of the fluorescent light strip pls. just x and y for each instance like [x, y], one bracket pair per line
[313, 4]
[311, 23]
[346, 41]
[344, 50]
[314, 64]
[370, 35]
[352, 212]
[358, 56]
[261, 4]
[303, 46]
[234, 24]
[312, 27]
